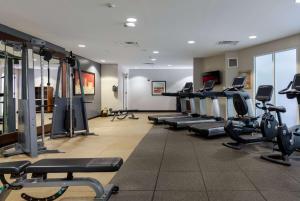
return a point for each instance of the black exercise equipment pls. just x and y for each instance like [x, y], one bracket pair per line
[242, 124]
[9, 101]
[28, 141]
[69, 113]
[19, 171]
[47, 55]
[122, 114]
[202, 117]
[288, 139]
[188, 87]
[213, 129]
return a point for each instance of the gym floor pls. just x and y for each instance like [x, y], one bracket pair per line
[165, 165]
[114, 139]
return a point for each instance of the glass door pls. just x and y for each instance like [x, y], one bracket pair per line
[264, 74]
[285, 69]
[278, 69]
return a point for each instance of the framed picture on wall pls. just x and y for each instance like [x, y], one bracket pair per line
[88, 82]
[158, 87]
[248, 82]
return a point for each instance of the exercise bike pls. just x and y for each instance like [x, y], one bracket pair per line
[288, 139]
[245, 125]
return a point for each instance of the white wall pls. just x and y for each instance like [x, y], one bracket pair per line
[109, 78]
[139, 87]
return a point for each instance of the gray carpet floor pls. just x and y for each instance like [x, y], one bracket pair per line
[179, 166]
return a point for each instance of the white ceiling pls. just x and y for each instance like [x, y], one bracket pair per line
[164, 25]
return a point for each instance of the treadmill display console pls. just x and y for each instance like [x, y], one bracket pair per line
[238, 82]
[209, 85]
[188, 86]
[264, 93]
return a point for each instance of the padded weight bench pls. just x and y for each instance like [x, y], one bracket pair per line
[39, 171]
[122, 114]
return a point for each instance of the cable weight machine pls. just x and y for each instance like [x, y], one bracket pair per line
[28, 141]
[69, 113]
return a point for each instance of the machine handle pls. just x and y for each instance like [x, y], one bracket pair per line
[258, 106]
[284, 91]
[263, 107]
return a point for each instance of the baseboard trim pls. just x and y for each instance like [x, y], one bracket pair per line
[94, 117]
[156, 111]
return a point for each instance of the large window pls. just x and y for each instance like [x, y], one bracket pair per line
[278, 69]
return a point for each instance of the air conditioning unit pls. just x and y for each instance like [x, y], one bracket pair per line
[232, 63]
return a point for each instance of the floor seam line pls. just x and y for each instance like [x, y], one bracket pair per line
[252, 183]
[198, 163]
[162, 158]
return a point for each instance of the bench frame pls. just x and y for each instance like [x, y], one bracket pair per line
[37, 181]
[122, 114]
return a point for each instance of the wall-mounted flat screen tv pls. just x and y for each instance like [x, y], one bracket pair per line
[212, 75]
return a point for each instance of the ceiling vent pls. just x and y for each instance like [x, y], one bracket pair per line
[228, 42]
[131, 44]
[149, 63]
[110, 5]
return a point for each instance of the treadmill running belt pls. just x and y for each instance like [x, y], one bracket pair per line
[184, 122]
[157, 118]
[152, 117]
[161, 118]
[209, 129]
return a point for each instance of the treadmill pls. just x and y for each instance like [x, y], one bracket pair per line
[213, 129]
[202, 94]
[188, 87]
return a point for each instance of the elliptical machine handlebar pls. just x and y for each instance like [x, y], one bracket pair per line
[290, 91]
[259, 107]
[264, 107]
[285, 91]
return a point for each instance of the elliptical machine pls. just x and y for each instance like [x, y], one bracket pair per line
[245, 125]
[288, 139]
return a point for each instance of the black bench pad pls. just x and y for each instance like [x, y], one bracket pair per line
[13, 167]
[63, 165]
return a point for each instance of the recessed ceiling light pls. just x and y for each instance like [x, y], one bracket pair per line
[34, 60]
[102, 61]
[153, 59]
[191, 42]
[131, 19]
[81, 45]
[252, 37]
[170, 65]
[297, 1]
[129, 24]
[155, 52]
